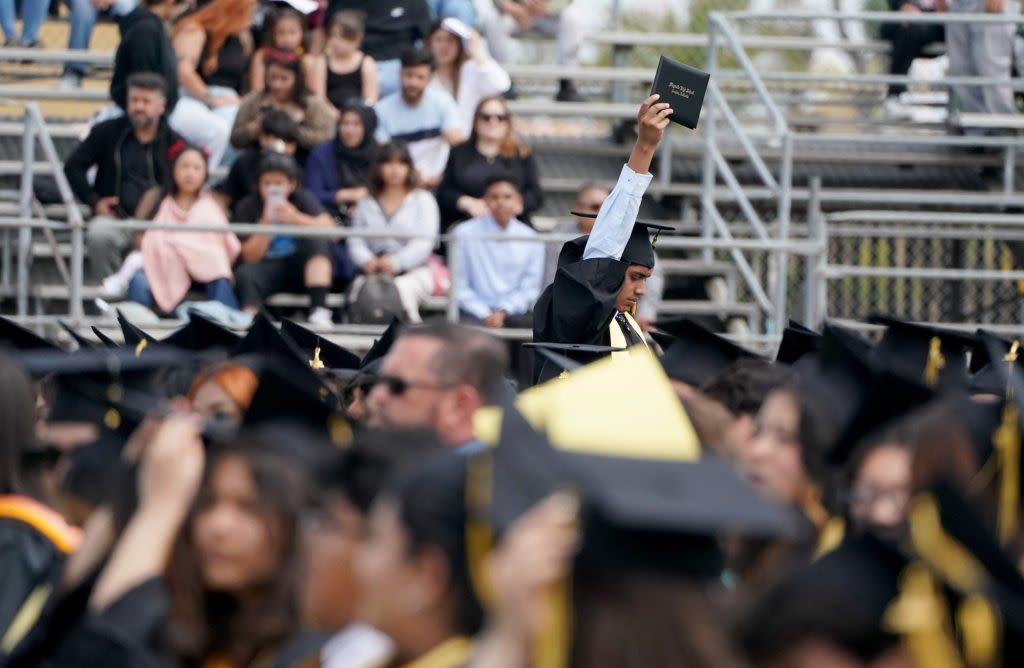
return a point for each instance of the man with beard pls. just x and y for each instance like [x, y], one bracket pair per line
[422, 116]
[130, 157]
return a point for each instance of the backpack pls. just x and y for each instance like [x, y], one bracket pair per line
[374, 300]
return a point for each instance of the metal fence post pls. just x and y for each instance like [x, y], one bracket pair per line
[28, 151]
[814, 277]
[782, 257]
[454, 268]
[709, 174]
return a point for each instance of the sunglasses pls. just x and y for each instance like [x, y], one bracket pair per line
[590, 206]
[501, 118]
[398, 386]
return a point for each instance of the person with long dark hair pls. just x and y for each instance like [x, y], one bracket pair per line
[285, 90]
[172, 260]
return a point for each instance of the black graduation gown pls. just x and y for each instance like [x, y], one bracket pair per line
[580, 303]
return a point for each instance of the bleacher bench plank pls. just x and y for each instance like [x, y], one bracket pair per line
[626, 38]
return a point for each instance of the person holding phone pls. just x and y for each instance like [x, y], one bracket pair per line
[282, 263]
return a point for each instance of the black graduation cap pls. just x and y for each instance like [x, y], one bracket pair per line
[697, 354]
[984, 373]
[133, 336]
[284, 396]
[797, 341]
[937, 357]
[104, 339]
[79, 339]
[570, 356]
[15, 336]
[640, 247]
[322, 353]
[382, 345]
[263, 338]
[888, 398]
[201, 333]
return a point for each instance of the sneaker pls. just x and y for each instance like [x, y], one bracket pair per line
[69, 81]
[321, 317]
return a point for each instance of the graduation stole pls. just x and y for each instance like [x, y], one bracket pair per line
[48, 522]
[451, 653]
[617, 339]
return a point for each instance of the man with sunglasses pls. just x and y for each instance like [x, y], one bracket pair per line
[602, 276]
[436, 377]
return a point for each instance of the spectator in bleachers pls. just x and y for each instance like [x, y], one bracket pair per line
[493, 148]
[981, 50]
[908, 41]
[284, 31]
[589, 198]
[391, 27]
[395, 204]
[338, 171]
[32, 14]
[558, 19]
[83, 19]
[283, 263]
[498, 281]
[130, 156]
[463, 10]
[422, 116]
[344, 72]
[464, 68]
[146, 47]
[213, 46]
[286, 91]
[173, 260]
[279, 133]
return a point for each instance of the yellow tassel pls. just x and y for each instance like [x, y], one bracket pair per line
[316, 362]
[936, 362]
[1011, 358]
[1007, 442]
[920, 615]
[948, 557]
[831, 536]
[980, 630]
[142, 345]
[112, 419]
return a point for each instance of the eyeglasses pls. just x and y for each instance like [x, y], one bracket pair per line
[398, 386]
[500, 118]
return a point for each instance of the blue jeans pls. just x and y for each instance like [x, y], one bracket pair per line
[83, 20]
[219, 290]
[464, 10]
[32, 14]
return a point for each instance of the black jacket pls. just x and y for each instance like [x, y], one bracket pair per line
[104, 148]
[145, 47]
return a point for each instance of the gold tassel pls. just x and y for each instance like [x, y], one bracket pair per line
[142, 345]
[479, 537]
[1011, 358]
[1007, 442]
[920, 615]
[936, 362]
[980, 630]
[316, 363]
[948, 557]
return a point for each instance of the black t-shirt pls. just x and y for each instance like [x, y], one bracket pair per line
[391, 25]
[136, 174]
[242, 177]
[250, 208]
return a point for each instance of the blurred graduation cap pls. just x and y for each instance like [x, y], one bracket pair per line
[104, 339]
[282, 396]
[961, 599]
[321, 353]
[370, 363]
[201, 333]
[15, 336]
[640, 247]
[937, 357]
[133, 336]
[697, 354]
[797, 341]
[264, 338]
[570, 356]
[82, 342]
[888, 398]
[984, 373]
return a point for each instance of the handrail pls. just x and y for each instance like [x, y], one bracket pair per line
[874, 17]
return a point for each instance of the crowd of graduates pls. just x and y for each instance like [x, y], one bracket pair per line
[273, 499]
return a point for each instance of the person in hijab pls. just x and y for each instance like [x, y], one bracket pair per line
[338, 171]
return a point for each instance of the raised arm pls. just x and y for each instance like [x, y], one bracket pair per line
[615, 220]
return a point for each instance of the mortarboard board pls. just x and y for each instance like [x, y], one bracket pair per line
[321, 352]
[263, 338]
[104, 339]
[15, 336]
[888, 398]
[797, 341]
[82, 342]
[201, 333]
[570, 356]
[984, 376]
[697, 355]
[382, 345]
[640, 246]
[936, 357]
[134, 337]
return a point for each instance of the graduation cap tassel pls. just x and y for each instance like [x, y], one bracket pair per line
[936, 362]
[980, 629]
[1007, 443]
[920, 615]
[1011, 358]
[142, 345]
[952, 561]
[316, 363]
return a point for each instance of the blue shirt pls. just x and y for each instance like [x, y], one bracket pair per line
[617, 216]
[497, 274]
[420, 127]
